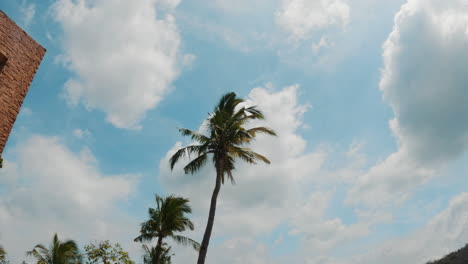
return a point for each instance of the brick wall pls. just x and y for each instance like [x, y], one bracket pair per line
[23, 56]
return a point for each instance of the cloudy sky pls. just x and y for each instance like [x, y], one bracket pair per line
[368, 99]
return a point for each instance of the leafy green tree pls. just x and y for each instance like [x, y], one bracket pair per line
[226, 141]
[58, 252]
[105, 253]
[166, 220]
[151, 254]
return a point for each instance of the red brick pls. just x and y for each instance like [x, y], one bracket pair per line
[24, 55]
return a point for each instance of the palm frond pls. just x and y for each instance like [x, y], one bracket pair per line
[228, 103]
[36, 249]
[146, 237]
[58, 253]
[38, 256]
[254, 113]
[264, 130]
[185, 241]
[194, 135]
[247, 155]
[186, 151]
[195, 164]
[260, 157]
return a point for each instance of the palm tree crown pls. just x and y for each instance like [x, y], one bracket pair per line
[226, 141]
[227, 138]
[58, 252]
[167, 219]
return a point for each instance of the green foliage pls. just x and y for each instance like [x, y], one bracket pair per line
[58, 253]
[106, 253]
[2, 254]
[151, 254]
[1, 163]
[166, 220]
[457, 257]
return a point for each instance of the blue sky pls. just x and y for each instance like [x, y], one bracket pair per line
[368, 98]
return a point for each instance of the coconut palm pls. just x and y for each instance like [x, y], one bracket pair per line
[2, 254]
[226, 141]
[58, 252]
[151, 255]
[167, 219]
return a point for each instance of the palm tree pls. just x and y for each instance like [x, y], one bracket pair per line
[2, 254]
[151, 255]
[226, 141]
[167, 219]
[58, 252]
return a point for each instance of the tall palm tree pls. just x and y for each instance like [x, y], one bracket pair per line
[2, 254]
[167, 219]
[226, 141]
[58, 252]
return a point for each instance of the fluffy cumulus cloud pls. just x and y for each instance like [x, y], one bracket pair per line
[46, 188]
[124, 55]
[302, 17]
[424, 80]
[266, 197]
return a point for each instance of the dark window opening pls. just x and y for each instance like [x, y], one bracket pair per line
[3, 61]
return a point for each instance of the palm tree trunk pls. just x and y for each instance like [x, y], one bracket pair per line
[159, 250]
[211, 216]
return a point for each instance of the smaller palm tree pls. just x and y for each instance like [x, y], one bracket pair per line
[58, 252]
[2, 254]
[167, 219]
[151, 255]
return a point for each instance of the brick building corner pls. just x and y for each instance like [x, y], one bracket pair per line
[20, 57]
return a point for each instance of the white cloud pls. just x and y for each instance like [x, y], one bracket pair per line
[240, 6]
[28, 11]
[427, 92]
[389, 181]
[80, 133]
[171, 4]
[446, 232]
[323, 43]
[302, 17]
[266, 196]
[329, 233]
[8, 174]
[124, 53]
[26, 111]
[424, 81]
[50, 189]
[252, 252]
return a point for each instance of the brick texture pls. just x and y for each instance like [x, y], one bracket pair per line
[23, 56]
